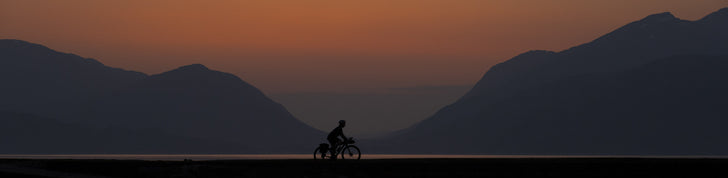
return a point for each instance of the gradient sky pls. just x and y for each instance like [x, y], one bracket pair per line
[370, 57]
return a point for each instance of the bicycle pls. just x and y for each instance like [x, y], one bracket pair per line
[347, 151]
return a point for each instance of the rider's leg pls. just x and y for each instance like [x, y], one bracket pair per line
[333, 143]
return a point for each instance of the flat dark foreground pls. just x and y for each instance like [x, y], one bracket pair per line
[500, 167]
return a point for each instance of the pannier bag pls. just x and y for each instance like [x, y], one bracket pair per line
[324, 147]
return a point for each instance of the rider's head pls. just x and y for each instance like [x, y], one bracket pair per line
[342, 123]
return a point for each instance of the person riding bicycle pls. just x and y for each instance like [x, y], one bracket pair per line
[333, 136]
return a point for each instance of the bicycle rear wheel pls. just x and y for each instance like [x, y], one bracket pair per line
[318, 155]
[351, 152]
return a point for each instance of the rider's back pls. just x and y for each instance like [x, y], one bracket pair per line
[335, 133]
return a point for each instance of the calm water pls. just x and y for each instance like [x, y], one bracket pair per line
[298, 156]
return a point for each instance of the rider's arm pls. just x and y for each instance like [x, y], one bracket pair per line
[345, 138]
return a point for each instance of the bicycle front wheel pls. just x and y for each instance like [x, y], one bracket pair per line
[351, 152]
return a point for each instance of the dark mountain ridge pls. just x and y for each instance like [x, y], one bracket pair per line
[651, 87]
[206, 110]
[43, 81]
[637, 43]
[196, 102]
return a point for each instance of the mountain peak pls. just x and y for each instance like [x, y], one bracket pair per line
[196, 74]
[720, 15]
[192, 71]
[193, 67]
[12, 41]
[661, 17]
[19, 44]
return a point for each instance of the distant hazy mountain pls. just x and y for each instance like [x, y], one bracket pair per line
[655, 86]
[213, 111]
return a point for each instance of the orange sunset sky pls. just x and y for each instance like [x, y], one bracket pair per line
[325, 45]
[336, 46]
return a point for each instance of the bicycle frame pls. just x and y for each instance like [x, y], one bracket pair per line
[339, 149]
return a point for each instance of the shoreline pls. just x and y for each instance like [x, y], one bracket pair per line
[213, 157]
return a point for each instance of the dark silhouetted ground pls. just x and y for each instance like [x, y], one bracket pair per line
[505, 167]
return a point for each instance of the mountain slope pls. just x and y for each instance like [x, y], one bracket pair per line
[650, 87]
[40, 80]
[194, 101]
[637, 43]
[208, 111]
[23, 133]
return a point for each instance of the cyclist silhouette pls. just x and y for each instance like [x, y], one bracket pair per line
[333, 136]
